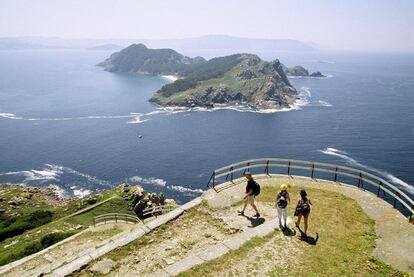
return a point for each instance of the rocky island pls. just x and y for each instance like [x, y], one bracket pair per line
[300, 71]
[244, 80]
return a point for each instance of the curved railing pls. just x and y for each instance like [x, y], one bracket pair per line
[115, 217]
[388, 191]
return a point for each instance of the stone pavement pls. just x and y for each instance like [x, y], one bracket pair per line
[218, 250]
[395, 235]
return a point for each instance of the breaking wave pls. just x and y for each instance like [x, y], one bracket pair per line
[54, 176]
[48, 173]
[80, 192]
[346, 156]
[162, 183]
[184, 189]
[148, 181]
[323, 103]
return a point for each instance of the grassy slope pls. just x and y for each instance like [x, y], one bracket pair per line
[346, 240]
[229, 80]
[63, 221]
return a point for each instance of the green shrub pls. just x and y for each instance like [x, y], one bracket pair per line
[31, 248]
[53, 238]
[34, 246]
[26, 222]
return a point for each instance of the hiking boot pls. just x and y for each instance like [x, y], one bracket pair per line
[257, 215]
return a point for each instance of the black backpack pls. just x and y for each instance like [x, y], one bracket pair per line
[282, 202]
[256, 189]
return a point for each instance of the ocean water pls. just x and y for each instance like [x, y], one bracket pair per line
[67, 123]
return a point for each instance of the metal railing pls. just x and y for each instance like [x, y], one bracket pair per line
[115, 217]
[363, 179]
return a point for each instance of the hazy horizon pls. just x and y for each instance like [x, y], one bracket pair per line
[369, 26]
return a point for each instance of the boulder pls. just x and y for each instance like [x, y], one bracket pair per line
[317, 74]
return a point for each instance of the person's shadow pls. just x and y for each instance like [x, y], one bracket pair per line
[308, 239]
[287, 231]
[255, 221]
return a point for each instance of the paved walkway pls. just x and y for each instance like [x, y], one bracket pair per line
[218, 250]
[395, 235]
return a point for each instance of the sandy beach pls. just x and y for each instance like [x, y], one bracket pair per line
[170, 77]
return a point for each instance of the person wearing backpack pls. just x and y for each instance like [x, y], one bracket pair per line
[303, 208]
[252, 190]
[282, 201]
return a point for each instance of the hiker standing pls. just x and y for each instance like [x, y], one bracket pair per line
[282, 201]
[252, 190]
[303, 208]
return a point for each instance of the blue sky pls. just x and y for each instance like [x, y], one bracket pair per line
[369, 25]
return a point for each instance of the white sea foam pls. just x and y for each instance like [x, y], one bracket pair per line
[46, 174]
[323, 103]
[90, 178]
[149, 181]
[345, 156]
[60, 191]
[52, 173]
[184, 189]
[136, 117]
[10, 116]
[79, 192]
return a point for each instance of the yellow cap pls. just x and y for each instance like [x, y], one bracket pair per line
[283, 187]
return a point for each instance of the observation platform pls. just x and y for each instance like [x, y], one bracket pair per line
[390, 207]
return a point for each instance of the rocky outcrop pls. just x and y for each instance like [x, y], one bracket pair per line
[300, 71]
[140, 200]
[317, 74]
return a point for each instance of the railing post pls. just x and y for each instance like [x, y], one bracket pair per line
[247, 169]
[379, 188]
[116, 219]
[336, 174]
[411, 214]
[289, 168]
[214, 179]
[313, 169]
[231, 176]
[395, 198]
[360, 181]
[267, 167]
